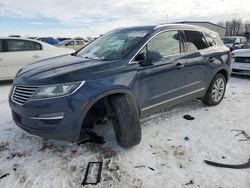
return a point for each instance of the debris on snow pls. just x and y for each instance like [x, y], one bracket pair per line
[151, 168]
[241, 132]
[188, 117]
[92, 137]
[5, 175]
[239, 166]
[190, 182]
[93, 173]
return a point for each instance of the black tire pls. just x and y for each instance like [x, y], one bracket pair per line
[126, 121]
[210, 98]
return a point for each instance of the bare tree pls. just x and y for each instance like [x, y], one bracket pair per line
[233, 27]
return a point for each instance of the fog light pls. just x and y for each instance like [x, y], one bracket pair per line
[50, 116]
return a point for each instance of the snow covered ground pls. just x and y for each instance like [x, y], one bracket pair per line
[162, 159]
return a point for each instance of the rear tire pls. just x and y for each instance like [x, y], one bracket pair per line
[126, 121]
[216, 90]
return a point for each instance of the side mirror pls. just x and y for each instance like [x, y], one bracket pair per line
[142, 59]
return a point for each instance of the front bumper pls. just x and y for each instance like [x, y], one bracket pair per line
[67, 128]
[241, 68]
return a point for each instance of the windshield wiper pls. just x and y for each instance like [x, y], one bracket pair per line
[92, 58]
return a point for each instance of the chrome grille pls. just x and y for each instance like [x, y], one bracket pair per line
[22, 94]
[242, 59]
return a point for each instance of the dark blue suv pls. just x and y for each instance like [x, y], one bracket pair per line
[124, 75]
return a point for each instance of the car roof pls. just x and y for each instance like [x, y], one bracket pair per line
[32, 40]
[169, 26]
[19, 38]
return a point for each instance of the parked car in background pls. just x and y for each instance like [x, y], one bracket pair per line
[234, 42]
[124, 75]
[17, 52]
[18, 36]
[73, 44]
[241, 60]
[62, 38]
[49, 40]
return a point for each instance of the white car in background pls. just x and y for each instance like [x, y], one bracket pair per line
[17, 52]
[241, 60]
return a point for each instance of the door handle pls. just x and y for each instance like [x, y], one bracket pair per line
[179, 66]
[1, 59]
[35, 56]
[211, 59]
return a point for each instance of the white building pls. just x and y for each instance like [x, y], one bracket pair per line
[214, 27]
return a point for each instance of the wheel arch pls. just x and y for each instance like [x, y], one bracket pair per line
[87, 105]
[224, 72]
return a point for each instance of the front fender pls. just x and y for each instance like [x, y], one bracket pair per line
[86, 106]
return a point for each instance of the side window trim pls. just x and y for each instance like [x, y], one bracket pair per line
[156, 34]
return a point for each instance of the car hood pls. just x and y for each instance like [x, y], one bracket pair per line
[62, 69]
[242, 53]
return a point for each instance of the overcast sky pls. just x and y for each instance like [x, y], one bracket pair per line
[93, 17]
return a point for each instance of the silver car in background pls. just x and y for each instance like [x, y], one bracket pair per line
[241, 60]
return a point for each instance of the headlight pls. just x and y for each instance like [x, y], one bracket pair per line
[233, 57]
[56, 90]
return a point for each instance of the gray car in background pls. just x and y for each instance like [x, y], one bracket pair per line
[234, 42]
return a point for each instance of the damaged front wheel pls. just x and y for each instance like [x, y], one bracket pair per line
[126, 121]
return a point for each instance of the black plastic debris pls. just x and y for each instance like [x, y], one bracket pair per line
[140, 166]
[93, 138]
[151, 168]
[93, 173]
[5, 175]
[188, 117]
[190, 182]
[234, 166]
[242, 132]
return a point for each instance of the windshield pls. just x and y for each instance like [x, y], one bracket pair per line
[247, 45]
[228, 40]
[113, 45]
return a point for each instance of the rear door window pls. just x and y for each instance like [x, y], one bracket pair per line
[195, 41]
[22, 45]
[163, 45]
[71, 43]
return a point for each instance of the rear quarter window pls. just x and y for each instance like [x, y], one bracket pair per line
[22, 45]
[210, 40]
[195, 41]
